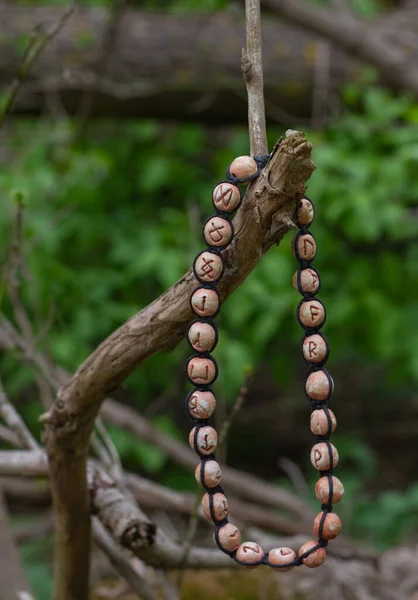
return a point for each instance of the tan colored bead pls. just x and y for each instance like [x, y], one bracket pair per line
[201, 404]
[243, 167]
[201, 371]
[212, 474]
[312, 313]
[250, 553]
[316, 558]
[322, 490]
[305, 212]
[202, 336]
[309, 281]
[220, 506]
[226, 197]
[331, 528]
[319, 422]
[208, 267]
[207, 440]
[318, 385]
[320, 458]
[205, 302]
[282, 556]
[306, 246]
[217, 232]
[314, 348]
[229, 537]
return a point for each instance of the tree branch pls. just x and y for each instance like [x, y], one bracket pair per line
[357, 38]
[252, 68]
[12, 577]
[238, 482]
[124, 520]
[263, 220]
[35, 47]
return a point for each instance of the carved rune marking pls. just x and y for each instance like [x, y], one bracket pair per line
[255, 548]
[311, 349]
[317, 458]
[206, 268]
[199, 376]
[215, 233]
[202, 304]
[197, 343]
[314, 312]
[306, 243]
[207, 445]
[224, 509]
[314, 277]
[225, 197]
[193, 403]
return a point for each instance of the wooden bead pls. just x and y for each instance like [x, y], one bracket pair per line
[312, 313]
[306, 247]
[229, 537]
[205, 302]
[243, 167]
[309, 281]
[201, 371]
[202, 336]
[201, 404]
[206, 442]
[322, 490]
[305, 212]
[330, 529]
[211, 474]
[318, 386]
[282, 556]
[319, 422]
[316, 558]
[250, 553]
[217, 232]
[320, 456]
[208, 266]
[226, 197]
[220, 506]
[314, 348]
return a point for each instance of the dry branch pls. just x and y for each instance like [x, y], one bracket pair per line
[252, 68]
[12, 576]
[263, 220]
[356, 37]
[240, 483]
[168, 85]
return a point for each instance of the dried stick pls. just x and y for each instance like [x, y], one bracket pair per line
[34, 48]
[13, 420]
[12, 577]
[252, 68]
[126, 522]
[223, 434]
[266, 215]
[238, 482]
[121, 561]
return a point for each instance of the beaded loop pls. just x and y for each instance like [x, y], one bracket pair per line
[202, 370]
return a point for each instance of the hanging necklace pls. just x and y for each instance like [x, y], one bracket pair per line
[202, 371]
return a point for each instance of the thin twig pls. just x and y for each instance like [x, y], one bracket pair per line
[36, 45]
[121, 561]
[188, 540]
[13, 420]
[252, 68]
[223, 434]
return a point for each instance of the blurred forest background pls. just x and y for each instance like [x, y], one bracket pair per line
[114, 189]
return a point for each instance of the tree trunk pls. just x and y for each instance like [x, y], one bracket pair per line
[164, 66]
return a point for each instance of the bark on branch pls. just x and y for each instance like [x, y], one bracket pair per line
[266, 215]
[150, 73]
